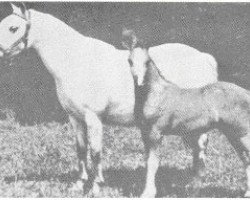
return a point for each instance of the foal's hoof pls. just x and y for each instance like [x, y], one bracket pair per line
[148, 193]
[247, 194]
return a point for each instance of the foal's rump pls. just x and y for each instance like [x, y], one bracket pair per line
[184, 65]
[230, 102]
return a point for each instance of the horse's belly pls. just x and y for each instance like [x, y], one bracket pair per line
[122, 97]
[121, 112]
[78, 98]
[113, 107]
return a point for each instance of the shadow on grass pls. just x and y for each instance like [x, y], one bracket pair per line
[220, 192]
[67, 177]
[170, 182]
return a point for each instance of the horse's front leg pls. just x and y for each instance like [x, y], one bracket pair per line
[151, 143]
[81, 145]
[95, 137]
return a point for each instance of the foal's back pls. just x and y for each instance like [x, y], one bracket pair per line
[193, 109]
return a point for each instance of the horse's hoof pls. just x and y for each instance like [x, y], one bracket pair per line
[247, 194]
[84, 176]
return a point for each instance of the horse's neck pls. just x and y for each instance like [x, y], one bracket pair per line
[55, 42]
[44, 27]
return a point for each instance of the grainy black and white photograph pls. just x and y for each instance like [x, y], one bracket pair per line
[124, 99]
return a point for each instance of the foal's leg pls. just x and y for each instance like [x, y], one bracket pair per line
[246, 143]
[202, 142]
[152, 164]
[95, 135]
[81, 143]
[199, 154]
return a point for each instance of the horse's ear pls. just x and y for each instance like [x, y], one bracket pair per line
[19, 9]
[129, 39]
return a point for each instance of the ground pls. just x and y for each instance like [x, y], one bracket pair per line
[39, 159]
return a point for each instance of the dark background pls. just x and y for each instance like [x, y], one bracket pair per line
[221, 29]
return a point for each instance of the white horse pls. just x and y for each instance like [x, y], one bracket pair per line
[93, 80]
[168, 109]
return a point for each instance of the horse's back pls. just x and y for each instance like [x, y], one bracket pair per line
[184, 65]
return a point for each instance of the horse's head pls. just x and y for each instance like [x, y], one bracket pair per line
[14, 30]
[138, 58]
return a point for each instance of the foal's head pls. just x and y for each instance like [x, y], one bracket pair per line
[138, 59]
[14, 31]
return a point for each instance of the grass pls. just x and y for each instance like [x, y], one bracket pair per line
[41, 161]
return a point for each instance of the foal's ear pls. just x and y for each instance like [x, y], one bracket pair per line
[19, 9]
[129, 40]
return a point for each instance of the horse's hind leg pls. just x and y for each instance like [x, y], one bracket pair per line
[81, 143]
[95, 135]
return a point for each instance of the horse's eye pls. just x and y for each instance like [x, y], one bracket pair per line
[13, 29]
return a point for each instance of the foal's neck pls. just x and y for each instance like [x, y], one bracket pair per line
[153, 78]
[155, 85]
